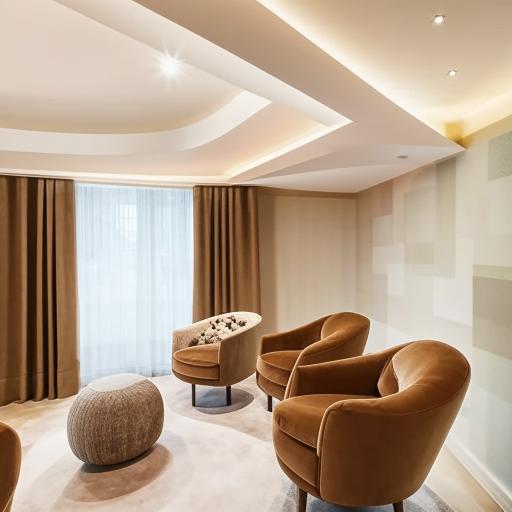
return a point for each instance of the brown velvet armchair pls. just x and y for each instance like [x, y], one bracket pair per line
[332, 337]
[10, 462]
[218, 364]
[365, 431]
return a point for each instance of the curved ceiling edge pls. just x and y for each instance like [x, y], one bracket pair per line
[120, 178]
[159, 32]
[352, 157]
[244, 171]
[228, 117]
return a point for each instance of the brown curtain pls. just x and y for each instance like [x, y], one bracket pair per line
[38, 289]
[226, 253]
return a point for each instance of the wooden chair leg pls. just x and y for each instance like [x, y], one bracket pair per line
[228, 395]
[193, 395]
[269, 403]
[398, 506]
[302, 501]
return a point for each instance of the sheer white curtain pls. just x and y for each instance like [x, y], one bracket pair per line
[135, 265]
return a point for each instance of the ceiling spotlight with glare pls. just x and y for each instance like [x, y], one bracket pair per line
[170, 65]
[439, 19]
[452, 73]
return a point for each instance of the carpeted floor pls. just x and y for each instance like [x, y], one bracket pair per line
[212, 458]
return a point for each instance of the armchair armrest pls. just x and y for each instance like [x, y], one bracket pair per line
[10, 448]
[392, 440]
[295, 339]
[358, 442]
[238, 353]
[353, 376]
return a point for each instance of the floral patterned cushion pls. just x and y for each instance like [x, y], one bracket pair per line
[217, 330]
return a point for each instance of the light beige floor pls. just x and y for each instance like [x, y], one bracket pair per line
[451, 481]
[211, 458]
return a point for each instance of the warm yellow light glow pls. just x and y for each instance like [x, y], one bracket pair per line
[452, 73]
[317, 134]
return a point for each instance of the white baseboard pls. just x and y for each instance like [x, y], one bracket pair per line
[482, 475]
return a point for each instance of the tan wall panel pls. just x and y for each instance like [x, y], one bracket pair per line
[307, 256]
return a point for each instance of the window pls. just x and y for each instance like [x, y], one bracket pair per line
[135, 264]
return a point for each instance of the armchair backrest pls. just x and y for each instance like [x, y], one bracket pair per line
[438, 368]
[342, 335]
[344, 322]
[10, 450]
[388, 383]
[182, 337]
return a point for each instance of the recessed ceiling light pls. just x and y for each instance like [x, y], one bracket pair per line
[402, 157]
[452, 72]
[170, 65]
[439, 19]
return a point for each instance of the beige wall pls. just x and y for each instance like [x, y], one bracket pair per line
[434, 252]
[434, 260]
[307, 256]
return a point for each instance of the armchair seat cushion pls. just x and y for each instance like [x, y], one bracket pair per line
[299, 459]
[277, 366]
[300, 417]
[201, 362]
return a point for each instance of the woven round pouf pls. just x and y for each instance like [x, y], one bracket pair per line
[115, 419]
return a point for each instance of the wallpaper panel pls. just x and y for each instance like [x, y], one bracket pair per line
[434, 253]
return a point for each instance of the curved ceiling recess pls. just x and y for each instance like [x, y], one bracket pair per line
[64, 72]
[261, 103]
[228, 117]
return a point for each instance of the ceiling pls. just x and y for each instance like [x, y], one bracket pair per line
[65, 72]
[396, 48]
[284, 93]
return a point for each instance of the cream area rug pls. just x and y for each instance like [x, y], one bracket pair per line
[211, 458]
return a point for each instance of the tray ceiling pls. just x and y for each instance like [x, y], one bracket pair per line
[281, 93]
